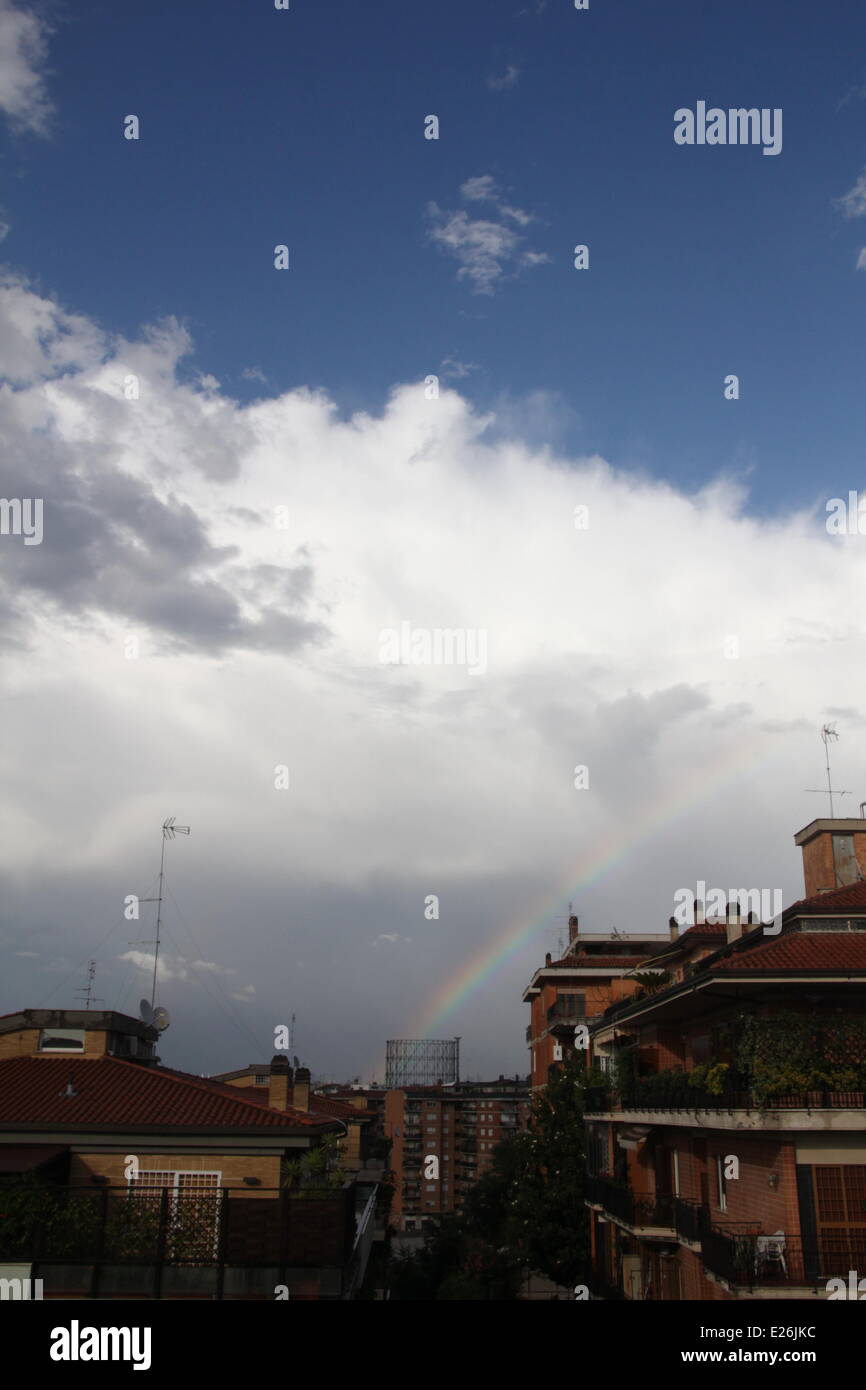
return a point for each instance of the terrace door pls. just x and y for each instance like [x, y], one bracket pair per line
[194, 1207]
[840, 1217]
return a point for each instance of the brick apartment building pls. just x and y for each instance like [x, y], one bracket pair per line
[461, 1126]
[727, 1145]
[260, 1081]
[593, 974]
[219, 1211]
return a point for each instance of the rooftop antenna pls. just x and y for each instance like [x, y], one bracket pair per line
[87, 991]
[828, 732]
[169, 830]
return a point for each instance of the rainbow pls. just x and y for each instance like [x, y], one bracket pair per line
[605, 853]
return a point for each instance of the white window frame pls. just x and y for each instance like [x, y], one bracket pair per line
[720, 1183]
[175, 1186]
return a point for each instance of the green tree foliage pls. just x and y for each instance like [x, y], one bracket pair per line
[525, 1214]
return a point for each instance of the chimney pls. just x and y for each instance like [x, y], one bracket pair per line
[301, 1092]
[733, 925]
[700, 919]
[572, 930]
[548, 959]
[674, 928]
[834, 854]
[279, 1081]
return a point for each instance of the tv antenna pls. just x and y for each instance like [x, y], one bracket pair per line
[87, 991]
[169, 830]
[828, 732]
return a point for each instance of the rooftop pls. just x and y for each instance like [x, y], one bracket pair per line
[110, 1092]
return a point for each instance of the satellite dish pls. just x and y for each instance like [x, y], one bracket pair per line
[145, 1011]
[160, 1019]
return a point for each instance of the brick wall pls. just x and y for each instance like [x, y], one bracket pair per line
[233, 1168]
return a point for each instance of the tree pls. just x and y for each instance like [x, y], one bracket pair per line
[525, 1213]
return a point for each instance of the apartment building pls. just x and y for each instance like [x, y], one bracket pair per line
[727, 1144]
[125, 1178]
[459, 1126]
[593, 974]
[261, 1081]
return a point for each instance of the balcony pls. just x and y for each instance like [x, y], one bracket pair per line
[672, 1094]
[115, 1242]
[564, 1018]
[653, 1213]
[758, 1260]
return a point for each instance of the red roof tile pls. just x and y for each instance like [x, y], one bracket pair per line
[838, 951]
[700, 930]
[111, 1091]
[852, 896]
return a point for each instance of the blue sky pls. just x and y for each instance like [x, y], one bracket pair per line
[305, 127]
[171, 644]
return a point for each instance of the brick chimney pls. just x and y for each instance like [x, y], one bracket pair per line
[572, 930]
[674, 929]
[834, 854]
[733, 923]
[700, 918]
[301, 1092]
[279, 1083]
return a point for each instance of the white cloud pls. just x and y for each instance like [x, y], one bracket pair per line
[453, 368]
[391, 938]
[606, 647]
[480, 188]
[853, 203]
[210, 967]
[507, 79]
[23, 47]
[485, 248]
[861, 259]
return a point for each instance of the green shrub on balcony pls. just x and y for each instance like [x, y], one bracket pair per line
[710, 1076]
[792, 1052]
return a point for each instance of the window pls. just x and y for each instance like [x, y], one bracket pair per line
[261, 1078]
[721, 1184]
[431, 1187]
[194, 1205]
[61, 1040]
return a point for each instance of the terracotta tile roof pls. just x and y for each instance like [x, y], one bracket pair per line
[798, 951]
[701, 930]
[852, 897]
[112, 1091]
[326, 1105]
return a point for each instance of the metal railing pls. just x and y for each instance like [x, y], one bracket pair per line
[758, 1259]
[639, 1211]
[100, 1230]
[676, 1093]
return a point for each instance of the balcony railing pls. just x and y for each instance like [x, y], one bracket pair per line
[98, 1241]
[665, 1092]
[754, 1260]
[564, 1017]
[641, 1212]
